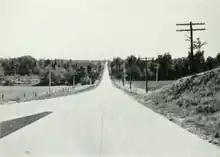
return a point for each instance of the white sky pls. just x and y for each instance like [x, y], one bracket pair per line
[97, 29]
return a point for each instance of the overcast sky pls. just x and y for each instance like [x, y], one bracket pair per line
[97, 29]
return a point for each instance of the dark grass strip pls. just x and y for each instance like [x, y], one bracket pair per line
[10, 126]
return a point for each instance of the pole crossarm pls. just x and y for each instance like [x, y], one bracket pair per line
[187, 24]
[198, 23]
[187, 30]
[182, 24]
[191, 30]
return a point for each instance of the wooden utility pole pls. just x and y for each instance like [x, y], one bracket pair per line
[123, 74]
[74, 79]
[191, 30]
[146, 74]
[49, 82]
[123, 78]
[119, 71]
[130, 66]
[130, 78]
[15, 70]
[158, 66]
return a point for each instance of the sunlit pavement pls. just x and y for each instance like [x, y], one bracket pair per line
[101, 122]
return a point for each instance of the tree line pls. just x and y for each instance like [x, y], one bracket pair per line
[168, 68]
[62, 71]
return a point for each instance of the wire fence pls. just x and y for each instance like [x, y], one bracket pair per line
[22, 94]
[16, 94]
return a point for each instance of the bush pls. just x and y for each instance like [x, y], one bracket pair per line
[207, 109]
[85, 81]
[8, 83]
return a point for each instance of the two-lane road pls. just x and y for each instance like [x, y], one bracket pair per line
[101, 122]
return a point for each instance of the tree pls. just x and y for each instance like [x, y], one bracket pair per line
[1, 72]
[199, 55]
[116, 67]
[131, 60]
[198, 45]
[210, 63]
[25, 65]
[70, 70]
[41, 63]
[80, 73]
[47, 62]
[141, 64]
[197, 60]
[89, 68]
[135, 72]
[218, 58]
[62, 69]
[166, 66]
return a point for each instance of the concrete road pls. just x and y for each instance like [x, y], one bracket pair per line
[101, 122]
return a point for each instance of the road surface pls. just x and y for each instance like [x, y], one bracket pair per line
[102, 122]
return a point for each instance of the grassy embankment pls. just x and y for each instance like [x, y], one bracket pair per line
[192, 102]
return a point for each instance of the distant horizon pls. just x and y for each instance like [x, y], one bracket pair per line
[51, 58]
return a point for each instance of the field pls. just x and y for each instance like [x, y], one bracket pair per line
[13, 93]
[26, 80]
[152, 85]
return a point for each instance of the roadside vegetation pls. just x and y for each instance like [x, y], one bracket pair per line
[192, 102]
[26, 78]
[30, 71]
[169, 68]
[187, 93]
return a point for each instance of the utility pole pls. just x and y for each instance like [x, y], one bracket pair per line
[15, 70]
[15, 66]
[191, 30]
[49, 82]
[123, 75]
[74, 79]
[130, 66]
[123, 78]
[130, 78]
[158, 66]
[119, 67]
[146, 59]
